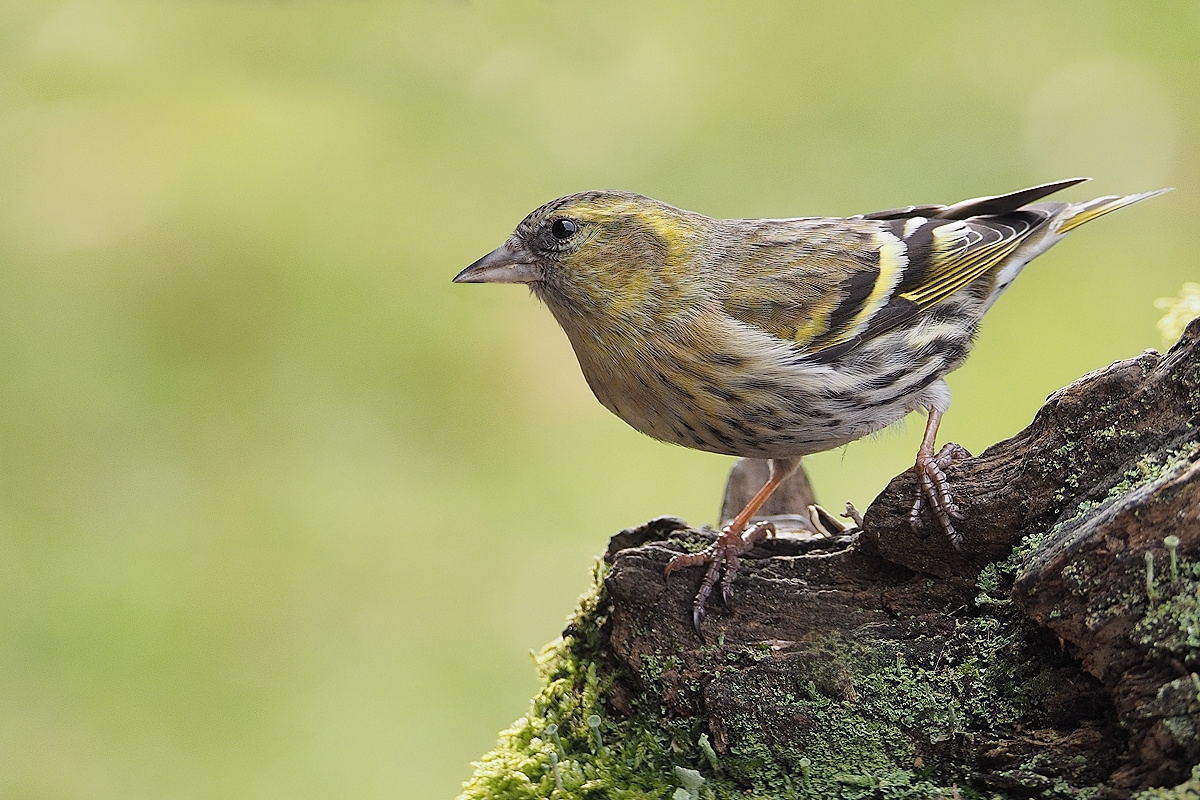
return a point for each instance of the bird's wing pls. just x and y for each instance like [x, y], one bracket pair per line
[830, 284]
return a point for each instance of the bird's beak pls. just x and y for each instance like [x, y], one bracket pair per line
[509, 263]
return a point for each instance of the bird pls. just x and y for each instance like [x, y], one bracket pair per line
[779, 338]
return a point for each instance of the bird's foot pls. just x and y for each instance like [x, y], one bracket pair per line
[933, 490]
[722, 560]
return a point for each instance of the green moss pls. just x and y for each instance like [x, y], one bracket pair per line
[862, 714]
[1188, 790]
[991, 585]
[1170, 629]
[1084, 443]
[591, 763]
[1152, 466]
[1147, 469]
[1159, 570]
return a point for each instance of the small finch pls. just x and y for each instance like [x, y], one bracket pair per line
[779, 338]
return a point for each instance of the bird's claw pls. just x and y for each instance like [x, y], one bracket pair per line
[722, 560]
[934, 491]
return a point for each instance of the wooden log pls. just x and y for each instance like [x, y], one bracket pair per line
[1059, 657]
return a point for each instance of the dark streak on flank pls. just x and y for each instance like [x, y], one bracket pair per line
[950, 348]
[723, 394]
[694, 371]
[720, 437]
[761, 420]
[808, 410]
[853, 399]
[727, 360]
[928, 379]
[747, 433]
[683, 392]
[885, 380]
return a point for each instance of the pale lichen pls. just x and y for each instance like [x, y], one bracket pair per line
[1180, 311]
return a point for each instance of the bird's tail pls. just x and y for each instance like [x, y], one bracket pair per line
[1078, 213]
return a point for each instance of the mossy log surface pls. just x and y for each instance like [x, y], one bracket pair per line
[1059, 658]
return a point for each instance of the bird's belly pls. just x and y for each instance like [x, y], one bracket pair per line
[753, 414]
[763, 402]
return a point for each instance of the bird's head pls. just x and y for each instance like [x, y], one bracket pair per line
[595, 252]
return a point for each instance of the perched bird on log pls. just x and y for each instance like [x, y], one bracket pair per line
[779, 338]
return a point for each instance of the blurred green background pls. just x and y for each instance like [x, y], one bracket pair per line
[282, 510]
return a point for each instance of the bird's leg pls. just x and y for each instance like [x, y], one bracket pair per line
[933, 489]
[733, 540]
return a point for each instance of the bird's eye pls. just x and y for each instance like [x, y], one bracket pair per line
[563, 228]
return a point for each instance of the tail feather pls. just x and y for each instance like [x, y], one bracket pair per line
[1004, 203]
[1078, 213]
